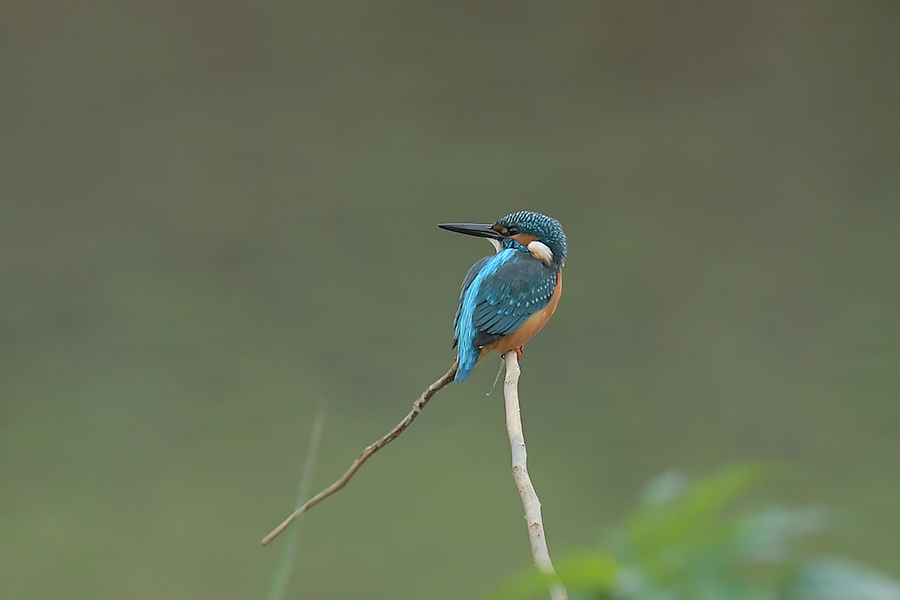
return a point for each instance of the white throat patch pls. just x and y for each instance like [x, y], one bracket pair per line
[495, 244]
[541, 252]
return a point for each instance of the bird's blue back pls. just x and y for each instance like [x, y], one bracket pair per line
[499, 294]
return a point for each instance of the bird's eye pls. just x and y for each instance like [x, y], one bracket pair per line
[512, 231]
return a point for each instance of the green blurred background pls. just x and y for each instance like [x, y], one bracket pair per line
[217, 216]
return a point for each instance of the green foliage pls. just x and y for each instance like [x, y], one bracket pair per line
[682, 544]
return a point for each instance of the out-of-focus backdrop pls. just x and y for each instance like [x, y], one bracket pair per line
[217, 216]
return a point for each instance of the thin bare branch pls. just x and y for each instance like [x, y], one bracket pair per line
[520, 473]
[418, 405]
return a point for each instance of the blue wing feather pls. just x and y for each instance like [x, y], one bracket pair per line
[499, 294]
[470, 277]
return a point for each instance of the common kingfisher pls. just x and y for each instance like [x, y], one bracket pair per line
[509, 296]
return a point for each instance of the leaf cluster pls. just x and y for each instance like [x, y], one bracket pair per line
[686, 542]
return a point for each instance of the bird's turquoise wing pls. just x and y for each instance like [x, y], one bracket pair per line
[499, 293]
[506, 299]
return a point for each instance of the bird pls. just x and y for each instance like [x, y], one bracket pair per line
[509, 296]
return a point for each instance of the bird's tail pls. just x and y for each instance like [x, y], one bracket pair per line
[467, 362]
[463, 372]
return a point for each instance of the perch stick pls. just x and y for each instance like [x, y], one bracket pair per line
[530, 499]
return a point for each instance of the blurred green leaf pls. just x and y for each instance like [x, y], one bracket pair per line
[838, 579]
[764, 536]
[282, 574]
[671, 511]
[589, 571]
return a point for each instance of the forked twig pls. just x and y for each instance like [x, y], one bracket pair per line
[418, 405]
[523, 481]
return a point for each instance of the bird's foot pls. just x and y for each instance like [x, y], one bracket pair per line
[519, 351]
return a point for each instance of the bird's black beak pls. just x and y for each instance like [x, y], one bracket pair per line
[477, 229]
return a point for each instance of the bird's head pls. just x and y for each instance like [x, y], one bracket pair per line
[542, 235]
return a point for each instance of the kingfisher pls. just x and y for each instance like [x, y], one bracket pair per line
[509, 296]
